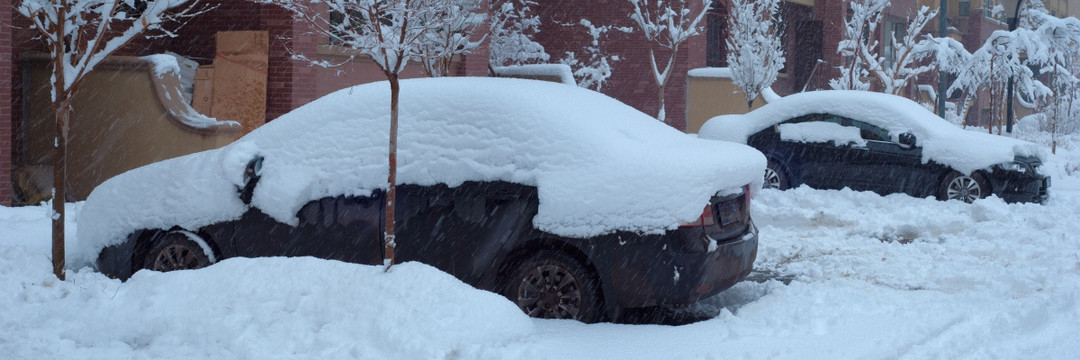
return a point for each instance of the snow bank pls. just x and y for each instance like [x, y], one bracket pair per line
[942, 142]
[840, 274]
[599, 165]
[265, 308]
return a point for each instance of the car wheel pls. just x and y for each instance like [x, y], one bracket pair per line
[775, 177]
[966, 188]
[177, 251]
[552, 285]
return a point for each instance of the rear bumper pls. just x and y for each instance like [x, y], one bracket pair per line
[651, 271]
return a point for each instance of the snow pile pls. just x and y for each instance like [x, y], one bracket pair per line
[820, 132]
[942, 142]
[250, 309]
[840, 275]
[163, 64]
[599, 165]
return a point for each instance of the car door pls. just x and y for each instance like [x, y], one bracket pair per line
[882, 165]
[461, 229]
[822, 163]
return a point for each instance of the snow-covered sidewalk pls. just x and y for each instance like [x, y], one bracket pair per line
[850, 275]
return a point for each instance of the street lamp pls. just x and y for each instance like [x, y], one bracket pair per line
[1012, 13]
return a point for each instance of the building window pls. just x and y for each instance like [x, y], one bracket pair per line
[716, 34]
[894, 31]
[341, 29]
[965, 7]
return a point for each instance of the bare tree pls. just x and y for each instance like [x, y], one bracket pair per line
[1061, 66]
[909, 52]
[391, 32]
[593, 72]
[460, 19]
[666, 27]
[79, 34]
[511, 29]
[1003, 55]
[859, 44]
[755, 51]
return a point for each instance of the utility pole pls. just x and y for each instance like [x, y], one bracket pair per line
[1009, 91]
[943, 25]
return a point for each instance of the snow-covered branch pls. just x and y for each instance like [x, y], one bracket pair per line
[755, 52]
[667, 27]
[511, 30]
[859, 45]
[594, 71]
[82, 33]
[462, 19]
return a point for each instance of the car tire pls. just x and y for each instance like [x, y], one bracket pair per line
[553, 285]
[775, 177]
[178, 250]
[966, 188]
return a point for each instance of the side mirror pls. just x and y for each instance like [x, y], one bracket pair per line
[906, 141]
[252, 174]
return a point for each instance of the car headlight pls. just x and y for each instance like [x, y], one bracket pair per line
[1014, 166]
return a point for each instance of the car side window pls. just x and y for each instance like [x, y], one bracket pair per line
[870, 132]
[813, 118]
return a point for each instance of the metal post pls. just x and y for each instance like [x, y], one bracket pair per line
[1009, 91]
[943, 25]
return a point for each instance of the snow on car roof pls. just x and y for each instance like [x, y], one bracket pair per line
[942, 142]
[599, 165]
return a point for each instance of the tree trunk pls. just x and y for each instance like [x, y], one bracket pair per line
[63, 115]
[391, 188]
[663, 114]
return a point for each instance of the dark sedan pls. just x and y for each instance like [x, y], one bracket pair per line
[569, 203]
[885, 144]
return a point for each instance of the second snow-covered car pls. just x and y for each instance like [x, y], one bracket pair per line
[882, 143]
[568, 202]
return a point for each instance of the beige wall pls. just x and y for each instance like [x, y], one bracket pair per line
[119, 123]
[711, 96]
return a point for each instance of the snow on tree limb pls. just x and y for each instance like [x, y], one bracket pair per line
[755, 51]
[593, 72]
[859, 44]
[93, 29]
[668, 28]
[511, 30]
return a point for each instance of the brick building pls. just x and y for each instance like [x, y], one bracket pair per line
[813, 30]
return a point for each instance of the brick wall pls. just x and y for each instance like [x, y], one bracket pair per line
[832, 14]
[476, 63]
[7, 65]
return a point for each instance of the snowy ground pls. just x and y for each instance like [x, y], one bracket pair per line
[843, 275]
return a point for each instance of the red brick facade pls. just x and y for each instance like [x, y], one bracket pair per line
[293, 83]
[632, 81]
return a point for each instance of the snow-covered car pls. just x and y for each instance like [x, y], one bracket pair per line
[882, 143]
[568, 202]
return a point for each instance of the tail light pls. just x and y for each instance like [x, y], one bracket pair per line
[706, 218]
[746, 197]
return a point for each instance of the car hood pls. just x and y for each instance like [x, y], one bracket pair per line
[942, 142]
[599, 165]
